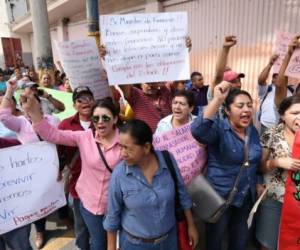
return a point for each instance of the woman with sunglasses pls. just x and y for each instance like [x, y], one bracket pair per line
[92, 185]
[277, 145]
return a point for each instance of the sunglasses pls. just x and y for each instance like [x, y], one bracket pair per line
[104, 118]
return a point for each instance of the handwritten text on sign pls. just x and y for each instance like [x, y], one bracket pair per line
[293, 68]
[190, 157]
[145, 47]
[281, 47]
[28, 186]
[81, 62]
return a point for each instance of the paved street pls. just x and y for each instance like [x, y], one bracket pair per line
[59, 237]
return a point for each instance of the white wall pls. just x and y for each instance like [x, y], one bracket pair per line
[18, 10]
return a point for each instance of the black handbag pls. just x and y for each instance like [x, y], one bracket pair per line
[208, 205]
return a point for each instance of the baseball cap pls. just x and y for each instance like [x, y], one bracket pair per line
[29, 85]
[230, 76]
[81, 90]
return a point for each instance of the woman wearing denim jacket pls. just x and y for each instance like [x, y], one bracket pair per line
[141, 201]
[225, 140]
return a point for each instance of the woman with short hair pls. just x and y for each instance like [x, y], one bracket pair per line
[142, 195]
[277, 145]
[182, 107]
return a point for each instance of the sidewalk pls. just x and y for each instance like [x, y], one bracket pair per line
[58, 237]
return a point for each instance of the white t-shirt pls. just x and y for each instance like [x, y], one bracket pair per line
[85, 125]
[269, 116]
[165, 124]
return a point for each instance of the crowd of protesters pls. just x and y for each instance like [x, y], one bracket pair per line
[122, 189]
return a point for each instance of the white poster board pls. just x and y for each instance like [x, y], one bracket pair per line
[145, 47]
[28, 184]
[81, 62]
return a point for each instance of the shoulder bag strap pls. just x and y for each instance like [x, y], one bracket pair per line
[245, 164]
[103, 158]
[101, 153]
[170, 166]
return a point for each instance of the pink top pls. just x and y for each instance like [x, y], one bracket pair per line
[92, 185]
[22, 126]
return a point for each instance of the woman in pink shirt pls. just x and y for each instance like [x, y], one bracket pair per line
[92, 185]
[25, 134]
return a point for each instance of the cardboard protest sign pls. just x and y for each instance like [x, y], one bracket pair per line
[28, 187]
[145, 47]
[81, 62]
[293, 68]
[189, 156]
[289, 237]
[281, 47]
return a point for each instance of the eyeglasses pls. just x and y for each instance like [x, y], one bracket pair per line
[104, 118]
[84, 99]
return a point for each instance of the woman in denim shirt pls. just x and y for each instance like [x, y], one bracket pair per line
[141, 199]
[225, 140]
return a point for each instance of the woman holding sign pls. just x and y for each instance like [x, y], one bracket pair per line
[231, 143]
[23, 127]
[277, 143]
[100, 153]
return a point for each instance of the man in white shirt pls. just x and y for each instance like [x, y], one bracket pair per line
[268, 115]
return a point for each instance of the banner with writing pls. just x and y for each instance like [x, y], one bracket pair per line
[81, 62]
[189, 155]
[28, 184]
[281, 47]
[289, 237]
[145, 47]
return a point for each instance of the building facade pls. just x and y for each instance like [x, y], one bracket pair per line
[254, 23]
[15, 47]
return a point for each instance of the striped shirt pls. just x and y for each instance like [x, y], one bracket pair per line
[151, 110]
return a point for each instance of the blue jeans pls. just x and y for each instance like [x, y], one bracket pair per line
[17, 239]
[129, 243]
[94, 224]
[235, 220]
[82, 240]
